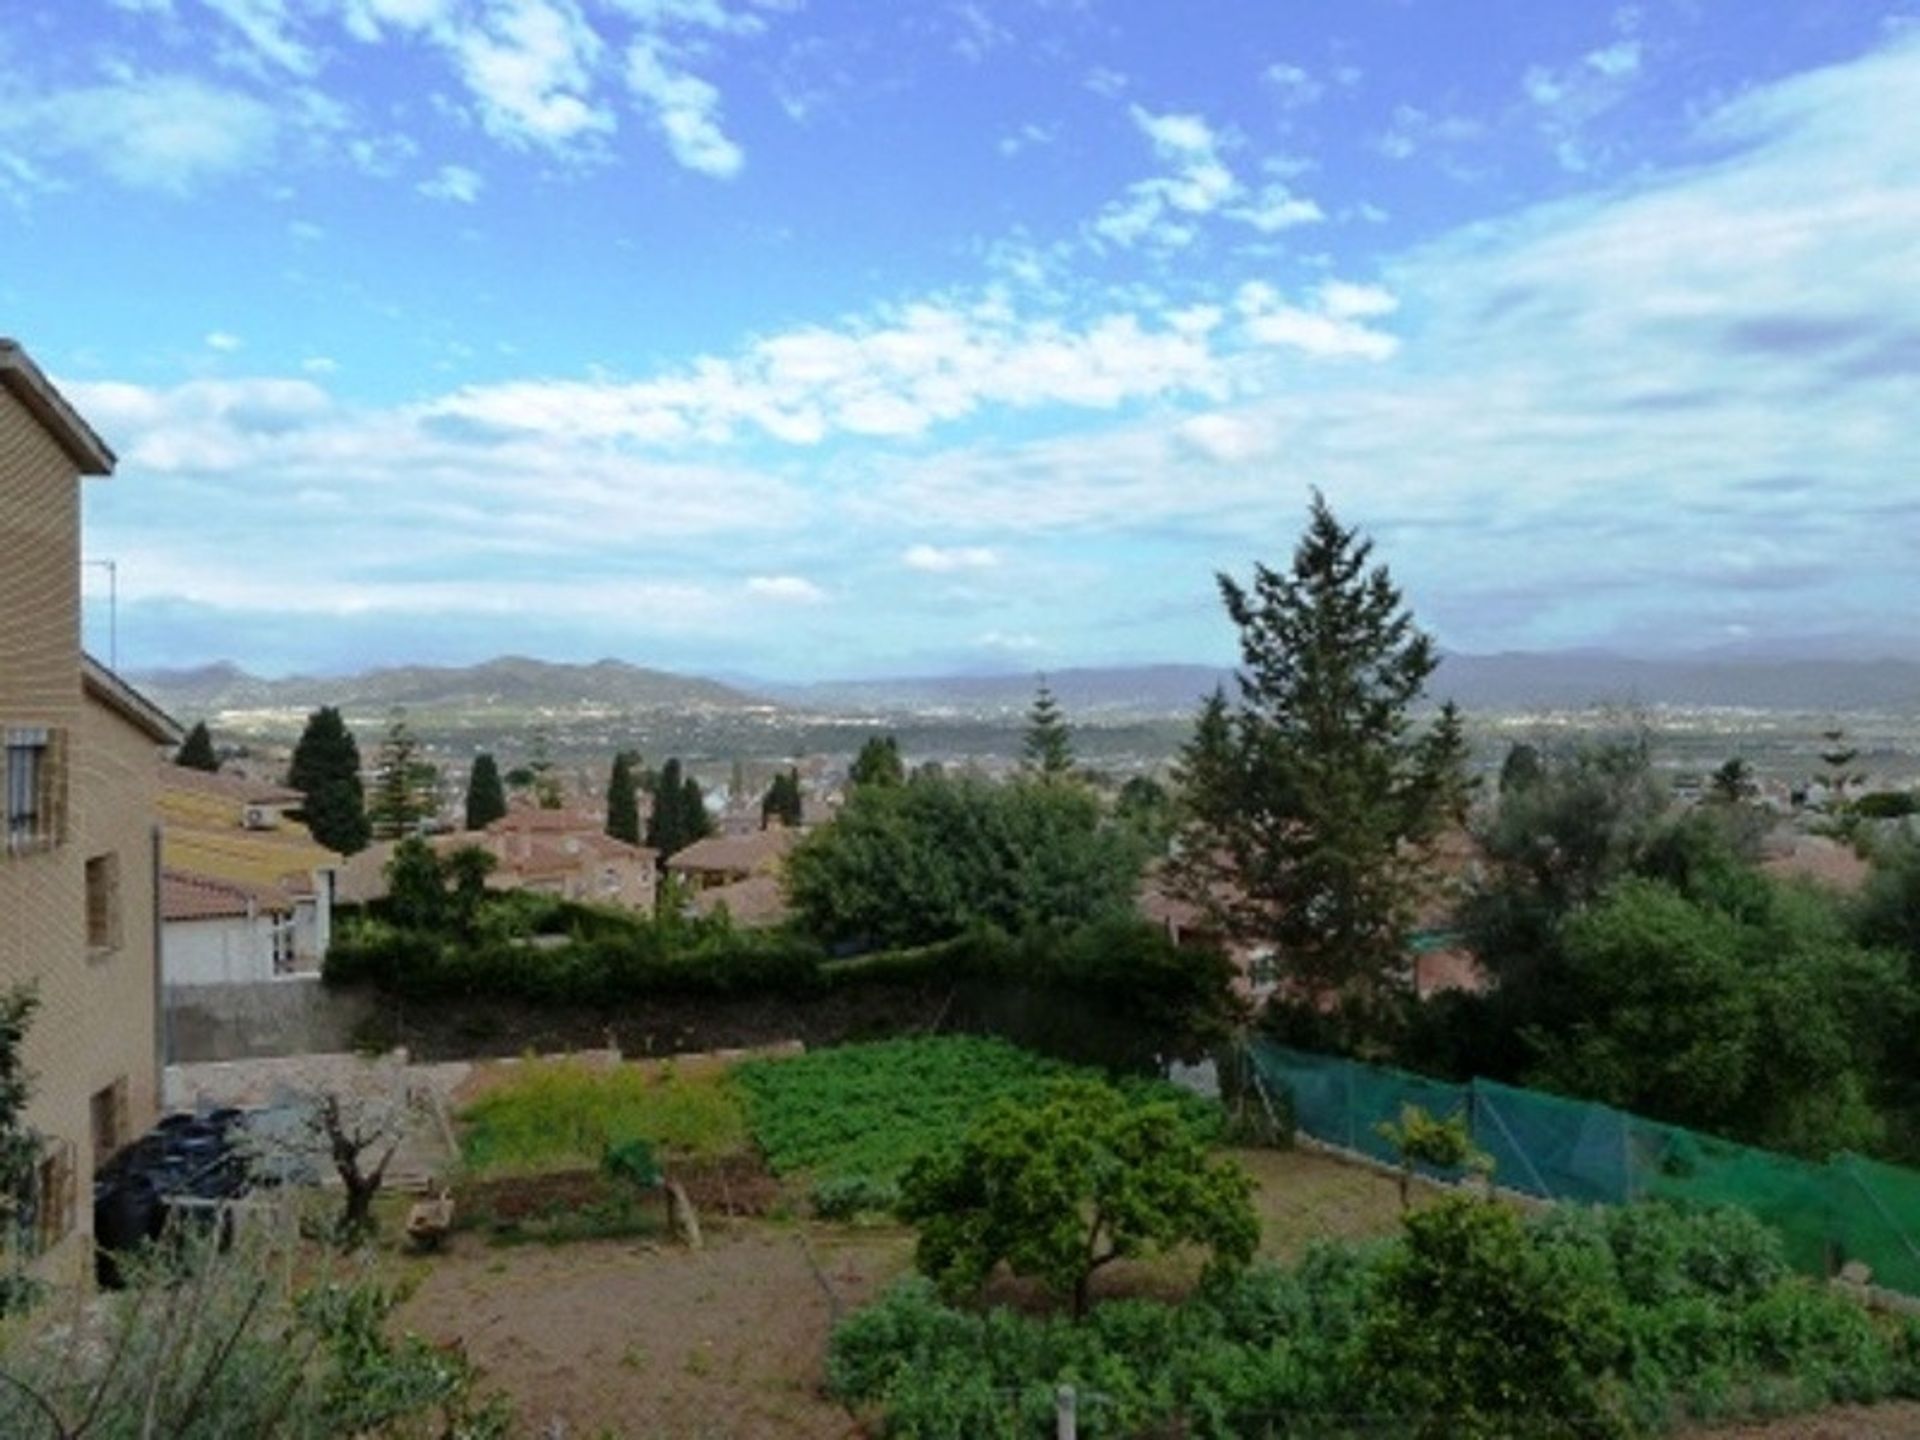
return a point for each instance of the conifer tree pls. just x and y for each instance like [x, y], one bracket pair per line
[782, 801]
[403, 783]
[196, 751]
[1313, 800]
[326, 770]
[679, 811]
[623, 801]
[878, 763]
[486, 796]
[1049, 743]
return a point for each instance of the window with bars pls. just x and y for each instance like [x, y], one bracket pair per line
[36, 788]
[103, 903]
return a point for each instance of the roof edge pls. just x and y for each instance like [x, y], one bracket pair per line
[120, 697]
[29, 385]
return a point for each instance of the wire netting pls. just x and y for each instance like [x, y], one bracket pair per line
[1848, 1209]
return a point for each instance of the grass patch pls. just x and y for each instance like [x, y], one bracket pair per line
[865, 1111]
[558, 1114]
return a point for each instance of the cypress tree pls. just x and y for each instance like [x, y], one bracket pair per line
[326, 770]
[486, 796]
[782, 801]
[403, 783]
[679, 811]
[623, 802]
[196, 751]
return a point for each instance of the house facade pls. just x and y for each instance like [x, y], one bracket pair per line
[79, 847]
[246, 892]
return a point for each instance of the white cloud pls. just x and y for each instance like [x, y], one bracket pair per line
[899, 374]
[684, 108]
[319, 365]
[1620, 58]
[453, 182]
[1166, 210]
[166, 132]
[1295, 87]
[223, 341]
[268, 30]
[1105, 81]
[529, 64]
[1331, 328]
[935, 560]
[791, 588]
[1027, 136]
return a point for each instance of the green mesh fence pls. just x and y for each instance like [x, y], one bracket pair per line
[1850, 1208]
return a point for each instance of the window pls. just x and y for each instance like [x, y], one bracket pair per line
[36, 788]
[108, 1109]
[103, 902]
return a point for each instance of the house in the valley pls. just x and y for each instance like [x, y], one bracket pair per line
[730, 859]
[246, 891]
[79, 838]
[564, 852]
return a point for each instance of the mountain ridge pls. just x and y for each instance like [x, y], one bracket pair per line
[1506, 681]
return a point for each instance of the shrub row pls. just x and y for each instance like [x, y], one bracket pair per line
[1594, 1323]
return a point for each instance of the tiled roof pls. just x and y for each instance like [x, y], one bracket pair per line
[226, 785]
[196, 897]
[755, 854]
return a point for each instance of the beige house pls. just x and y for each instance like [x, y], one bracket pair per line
[79, 842]
[729, 859]
[246, 893]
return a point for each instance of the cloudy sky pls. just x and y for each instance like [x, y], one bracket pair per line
[831, 337]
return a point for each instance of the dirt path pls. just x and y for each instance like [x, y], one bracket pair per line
[1899, 1420]
[624, 1339]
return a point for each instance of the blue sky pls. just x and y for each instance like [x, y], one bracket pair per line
[829, 337]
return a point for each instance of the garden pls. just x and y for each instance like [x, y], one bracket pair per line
[858, 1269]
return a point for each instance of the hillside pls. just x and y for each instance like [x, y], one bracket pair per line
[508, 683]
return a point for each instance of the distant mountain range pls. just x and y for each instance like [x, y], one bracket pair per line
[511, 682]
[1478, 682]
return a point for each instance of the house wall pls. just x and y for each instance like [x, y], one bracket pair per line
[96, 1021]
[226, 950]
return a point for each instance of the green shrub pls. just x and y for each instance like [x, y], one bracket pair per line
[1475, 1322]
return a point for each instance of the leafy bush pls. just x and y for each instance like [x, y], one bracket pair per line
[562, 1113]
[905, 865]
[1476, 1322]
[1019, 1187]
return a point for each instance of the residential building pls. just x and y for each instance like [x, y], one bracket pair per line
[729, 859]
[247, 892]
[79, 842]
[564, 852]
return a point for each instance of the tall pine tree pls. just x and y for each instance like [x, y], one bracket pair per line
[623, 801]
[326, 770]
[1049, 743]
[679, 811]
[403, 783]
[196, 751]
[1312, 801]
[486, 796]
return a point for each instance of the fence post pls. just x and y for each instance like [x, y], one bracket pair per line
[1066, 1410]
